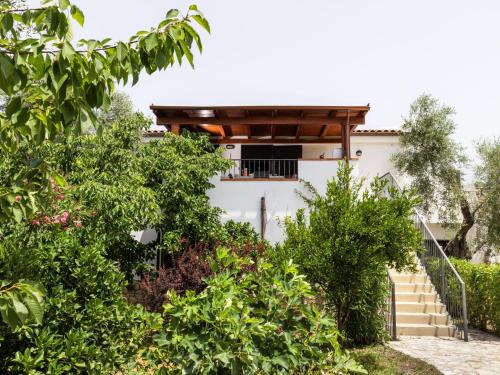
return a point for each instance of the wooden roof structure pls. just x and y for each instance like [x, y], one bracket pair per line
[265, 124]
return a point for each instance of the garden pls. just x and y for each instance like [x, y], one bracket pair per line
[78, 294]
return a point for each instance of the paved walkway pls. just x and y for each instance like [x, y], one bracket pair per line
[479, 356]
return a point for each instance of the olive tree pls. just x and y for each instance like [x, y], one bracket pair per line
[487, 185]
[436, 163]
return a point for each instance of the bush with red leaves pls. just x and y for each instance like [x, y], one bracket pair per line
[187, 270]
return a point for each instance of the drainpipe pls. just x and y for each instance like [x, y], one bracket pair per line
[263, 217]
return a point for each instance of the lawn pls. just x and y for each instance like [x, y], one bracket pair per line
[382, 360]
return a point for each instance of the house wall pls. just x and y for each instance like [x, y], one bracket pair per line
[376, 154]
[241, 199]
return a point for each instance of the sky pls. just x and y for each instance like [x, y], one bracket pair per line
[327, 52]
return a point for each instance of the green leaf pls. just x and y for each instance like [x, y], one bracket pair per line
[64, 4]
[151, 42]
[202, 21]
[68, 52]
[172, 13]
[35, 308]
[121, 51]
[77, 15]
[18, 214]
[59, 179]
[13, 106]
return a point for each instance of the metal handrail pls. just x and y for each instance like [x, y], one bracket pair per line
[439, 269]
[390, 313]
[263, 168]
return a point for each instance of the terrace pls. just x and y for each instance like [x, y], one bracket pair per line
[270, 143]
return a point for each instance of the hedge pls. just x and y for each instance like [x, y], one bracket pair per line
[482, 282]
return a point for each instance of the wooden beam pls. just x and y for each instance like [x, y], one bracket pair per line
[347, 137]
[324, 130]
[297, 132]
[273, 131]
[175, 128]
[259, 120]
[222, 132]
[273, 141]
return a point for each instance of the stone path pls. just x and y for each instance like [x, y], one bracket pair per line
[479, 356]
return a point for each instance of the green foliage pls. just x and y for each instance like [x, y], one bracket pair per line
[179, 170]
[120, 108]
[430, 156]
[88, 325]
[488, 188]
[53, 86]
[256, 322]
[241, 233]
[347, 243]
[483, 293]
[20, 302]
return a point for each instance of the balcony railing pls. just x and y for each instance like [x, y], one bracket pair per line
[263, 169]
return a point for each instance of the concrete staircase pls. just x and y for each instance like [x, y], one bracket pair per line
[419, 311]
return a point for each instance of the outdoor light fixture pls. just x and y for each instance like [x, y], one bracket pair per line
[359, 153]
[229, 147]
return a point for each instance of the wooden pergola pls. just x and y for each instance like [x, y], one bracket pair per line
[266, 124]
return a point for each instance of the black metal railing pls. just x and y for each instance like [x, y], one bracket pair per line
[445, 278]
[263, 168]
[390, 308]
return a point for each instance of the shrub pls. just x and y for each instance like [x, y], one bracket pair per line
[241, 233]
[88, 326]
[482, 283]
[255, 322]
[186, 270]
[344, 248]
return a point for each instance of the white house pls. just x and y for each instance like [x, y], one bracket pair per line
[275, 147]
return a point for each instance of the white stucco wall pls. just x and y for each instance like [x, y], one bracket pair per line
[241, 199]
[376, 154]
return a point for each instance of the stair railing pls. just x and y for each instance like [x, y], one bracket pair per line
[390, 309]
[445, 278]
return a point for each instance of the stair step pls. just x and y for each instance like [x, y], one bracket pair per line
[422, 318]
[417, 297]
[424, 330]
[414, 287]
[420, 307]
[410, 278]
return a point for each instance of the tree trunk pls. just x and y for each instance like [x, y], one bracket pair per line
[457, 247]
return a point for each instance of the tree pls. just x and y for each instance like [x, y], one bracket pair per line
[50, 88]
[347, 244]
[435, 162]
[488, 191]
[53, 85]
[120, 108]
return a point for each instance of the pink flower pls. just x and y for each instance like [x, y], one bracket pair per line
[60, 197]
[56, 219]
[65, 214]
[78, 224]
[46, 219]
[18, 198]
[64, 220]
[35, 222]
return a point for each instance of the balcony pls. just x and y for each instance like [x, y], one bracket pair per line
[263, 169]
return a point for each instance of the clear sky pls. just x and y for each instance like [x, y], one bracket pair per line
[328, 52]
